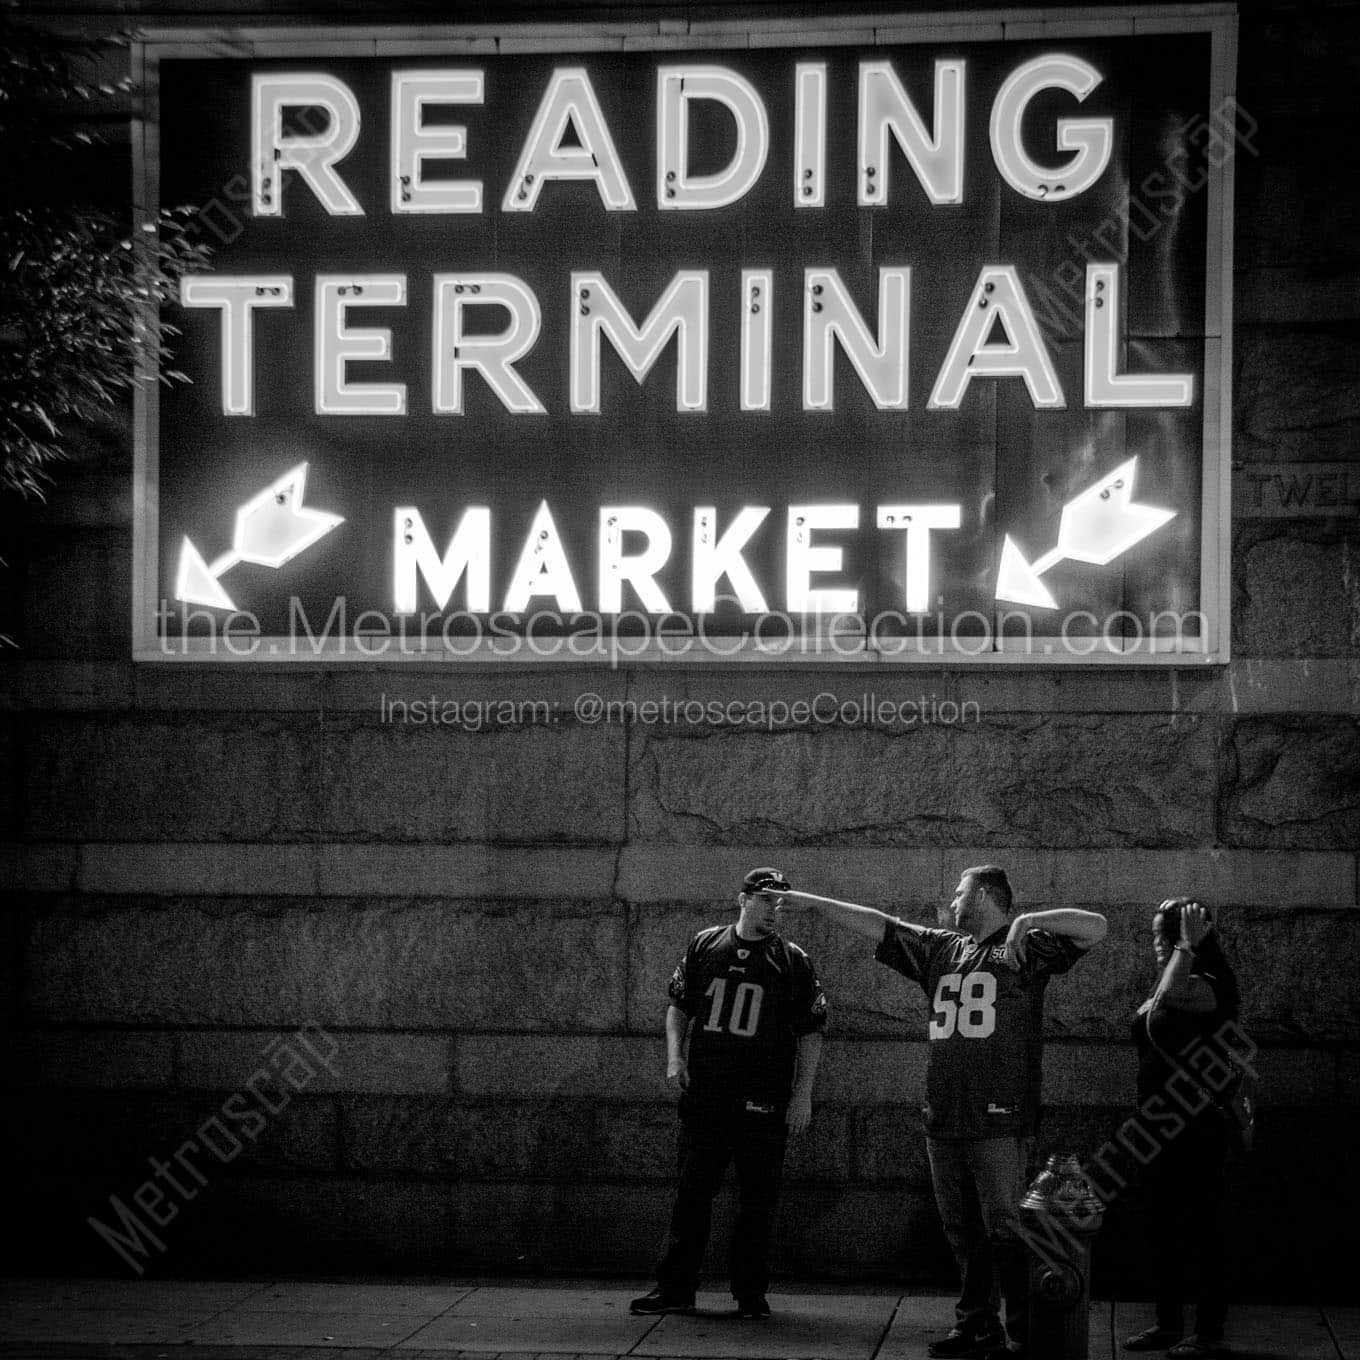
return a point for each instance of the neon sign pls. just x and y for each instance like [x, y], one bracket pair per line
[663, 338]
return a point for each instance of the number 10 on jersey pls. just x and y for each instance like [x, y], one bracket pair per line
[744, 1016]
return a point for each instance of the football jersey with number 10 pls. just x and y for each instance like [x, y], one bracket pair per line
[750, 1001]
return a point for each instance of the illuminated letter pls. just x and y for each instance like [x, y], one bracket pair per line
[683, 309]
[569, 102]
[884, 107]
[675, 87]
[236, 296]
[809, 120]
[829, 313]
[469, 551]
[803, 559]
[337, 345]
[713, 560]
[542, 568]
[414, 142]
[757, 308]
[491, 355]
[1104, 387]
[1090, 138]
[640, 568]
[312, 155]
[918, 521]
[997, 296]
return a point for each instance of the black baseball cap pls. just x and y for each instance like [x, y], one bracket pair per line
[764, 880]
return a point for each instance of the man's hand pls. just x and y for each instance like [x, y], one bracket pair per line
[677, 1074]
[1015, 942]
[799, 1114]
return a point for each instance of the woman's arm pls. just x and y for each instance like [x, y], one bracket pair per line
[1177, 987]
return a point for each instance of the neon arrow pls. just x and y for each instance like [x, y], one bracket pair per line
[271, 529]
[1097, 526]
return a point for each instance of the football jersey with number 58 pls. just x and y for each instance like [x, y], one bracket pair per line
[984, 1064]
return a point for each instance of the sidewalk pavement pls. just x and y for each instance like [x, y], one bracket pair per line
[479, 1319]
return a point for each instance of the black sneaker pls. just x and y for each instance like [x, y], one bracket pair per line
[1004, 1352]
[964, 1345]
[658, 1301]
[756, 1307]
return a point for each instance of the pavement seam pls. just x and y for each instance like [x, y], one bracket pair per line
[888, 1326]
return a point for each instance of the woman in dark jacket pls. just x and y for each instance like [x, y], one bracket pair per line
[1180, 1033]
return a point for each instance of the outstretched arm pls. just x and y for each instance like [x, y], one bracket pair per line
[866, 921]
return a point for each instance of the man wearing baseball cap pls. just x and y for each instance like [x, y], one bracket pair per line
[754, 1013]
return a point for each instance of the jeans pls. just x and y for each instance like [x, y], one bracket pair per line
[710, 1138]
[978, 1186]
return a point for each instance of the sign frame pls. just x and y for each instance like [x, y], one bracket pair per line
[152, 45]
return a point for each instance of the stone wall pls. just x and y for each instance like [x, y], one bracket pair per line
[475, 928]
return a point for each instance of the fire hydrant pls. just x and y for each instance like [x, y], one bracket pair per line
[1060, 1213]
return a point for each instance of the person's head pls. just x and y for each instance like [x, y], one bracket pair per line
[1209, 956]
[981, 902]
[759, 901]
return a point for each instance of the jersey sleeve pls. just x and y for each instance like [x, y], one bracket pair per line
[682, 989]
[1047, 954]
[811, 1011]
[908, 949]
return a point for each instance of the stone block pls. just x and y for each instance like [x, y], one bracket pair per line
[1069, 780]
[126, 778]
[540, 694]
[873, 1072]
[1298, 59]
[237, 962]
[604, 1067]
[825, 1152]
[1286, 996]
[1288, 211]
[1296, 295]
[228, 688]
[1089, 1074]
[527, 1226]
[879, 876]
[314, 1060]
[76, 594]
[9, 779]
[38, 868]
[1292, 401]
[1282, 685]
[98, 686]
[890, 1145]
[872, 1230]
[1296, 590]
[634, 1142]
[1036, 690]
[556, 783]
[1348, 1077]
[1293, 783]
[194, 870]
[466, 871]
[115, 1059]
[337, 1225]
[440, 1137]
[1298, 1078]
[190, 1141]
